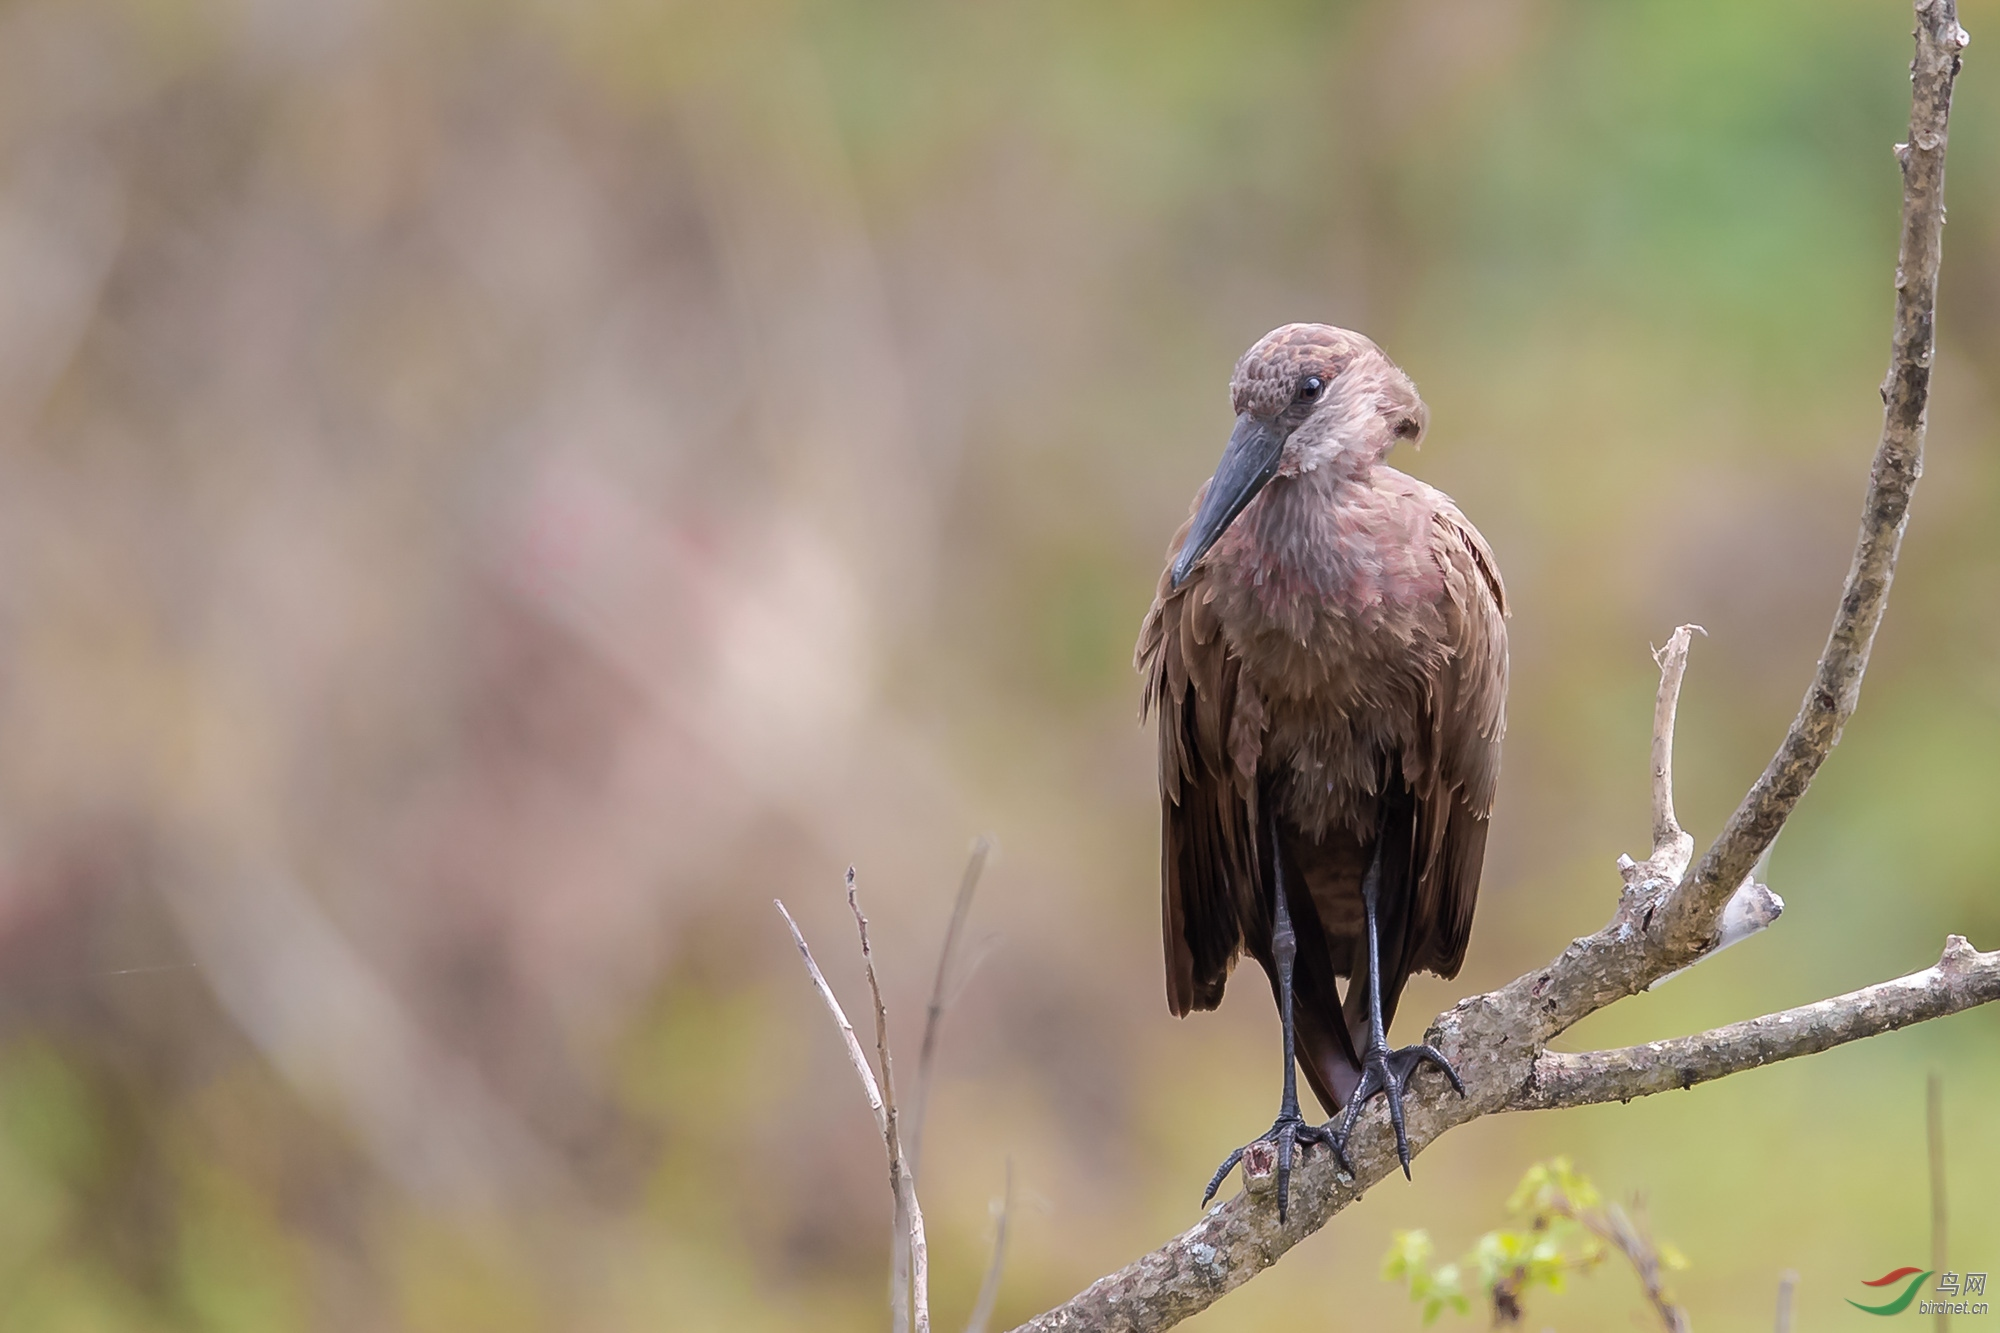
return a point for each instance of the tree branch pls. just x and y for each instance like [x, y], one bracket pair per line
[1963, 978]
[1660, 929]
[1899, 461]
[1668, 916]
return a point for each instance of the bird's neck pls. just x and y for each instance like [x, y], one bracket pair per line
[1320, 558]
[1301, 535]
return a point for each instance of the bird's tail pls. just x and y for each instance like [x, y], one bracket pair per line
[1394, 895]
[1332, 1031]
[1327, 1055]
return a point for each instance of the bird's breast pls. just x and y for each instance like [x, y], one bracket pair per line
[1334, 609]
[1327, 593]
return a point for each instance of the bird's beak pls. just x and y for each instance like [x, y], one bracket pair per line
[1248, 462]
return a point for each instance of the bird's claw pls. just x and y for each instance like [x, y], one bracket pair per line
[1388, 1073]
[1289, 1134]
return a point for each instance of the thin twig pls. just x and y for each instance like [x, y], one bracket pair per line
[961, 908]
[855, 1055]
[1788, 1285]
[899, 1216]
[989, 1286]
[1934, 1141]
[899, 1267]
[902, 1186]
[913, 1128]
[1629, 1238]
[1622, 1232]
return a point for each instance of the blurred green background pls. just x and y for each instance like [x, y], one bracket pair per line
[491, 494]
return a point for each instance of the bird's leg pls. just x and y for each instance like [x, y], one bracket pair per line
[1289, 1133]
[1382, 1070]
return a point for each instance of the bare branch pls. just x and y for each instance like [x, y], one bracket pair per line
[1662, 926]
[1753, 906]
[855, 1055]
[1668, 837]
[1899, 459]
[1667, 917]
[1788, 1284]
[905, 1191]
[902, 1185]
[1962, 979]
[1240, 1238]
[989, 1286]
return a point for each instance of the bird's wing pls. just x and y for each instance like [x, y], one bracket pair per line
[1211, 733]
[1468, 716]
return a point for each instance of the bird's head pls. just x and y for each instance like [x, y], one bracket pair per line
[1307, 396]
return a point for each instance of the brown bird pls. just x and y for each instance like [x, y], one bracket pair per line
[1327, 657]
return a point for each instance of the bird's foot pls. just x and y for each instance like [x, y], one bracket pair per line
[1388, 1073]
[1289, 1135]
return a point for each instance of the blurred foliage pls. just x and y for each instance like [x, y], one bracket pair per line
[490, 494]
[1560, 1227]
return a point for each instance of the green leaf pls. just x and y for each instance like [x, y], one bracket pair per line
[1409, 1255]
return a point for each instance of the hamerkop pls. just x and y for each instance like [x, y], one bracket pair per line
[1327, 657]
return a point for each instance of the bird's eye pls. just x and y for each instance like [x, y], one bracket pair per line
[1309, 388]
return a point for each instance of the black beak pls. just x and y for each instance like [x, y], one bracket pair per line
[1248, 462]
